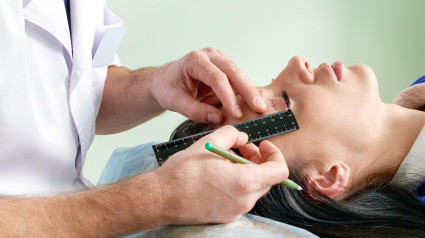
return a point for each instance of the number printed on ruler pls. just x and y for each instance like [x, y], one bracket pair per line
[257, 129]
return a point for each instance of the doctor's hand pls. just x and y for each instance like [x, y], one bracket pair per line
[202, 80]
[199, 187]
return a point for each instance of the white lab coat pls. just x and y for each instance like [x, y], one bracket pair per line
[49, 92]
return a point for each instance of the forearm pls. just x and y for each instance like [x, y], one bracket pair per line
[127, 100]
[106, 212]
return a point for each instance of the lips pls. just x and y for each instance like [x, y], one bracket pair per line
[338, 68]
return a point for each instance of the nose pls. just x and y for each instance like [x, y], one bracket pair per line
[301, 68]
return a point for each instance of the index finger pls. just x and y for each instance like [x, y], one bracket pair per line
[274, 170]
[207, 72]
[240, 82]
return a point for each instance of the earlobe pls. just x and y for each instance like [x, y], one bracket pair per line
[333, 181]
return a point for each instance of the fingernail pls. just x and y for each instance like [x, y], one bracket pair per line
[258, 101]
[237, 111]
[212, 118]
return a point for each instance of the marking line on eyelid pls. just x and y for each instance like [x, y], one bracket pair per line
[274, 105]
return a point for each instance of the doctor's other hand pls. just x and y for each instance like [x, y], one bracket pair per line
[199, 187]
[202, 80]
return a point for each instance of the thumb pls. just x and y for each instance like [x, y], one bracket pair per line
[274, 170]
[225, 137]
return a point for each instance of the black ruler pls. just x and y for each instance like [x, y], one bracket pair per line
[257, 129]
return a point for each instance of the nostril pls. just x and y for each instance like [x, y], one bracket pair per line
[301, 69]
[307, 66]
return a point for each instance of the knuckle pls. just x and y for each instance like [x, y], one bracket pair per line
[227, 59]
[230, 59]
[209, 50]
[239, 74]
[242, 187]
[191, 114]
[235, 70]
[211, 138]
[230, 129]
[195, 55]
[220, 53]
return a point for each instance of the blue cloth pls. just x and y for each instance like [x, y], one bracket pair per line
[419, 80]
[129, 161]
[141, 159]
[421, 193]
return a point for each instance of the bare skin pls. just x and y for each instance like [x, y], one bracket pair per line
[191, 86]
[344, 125]
[217, 190]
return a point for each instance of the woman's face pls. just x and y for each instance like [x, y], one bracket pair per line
[335, 108]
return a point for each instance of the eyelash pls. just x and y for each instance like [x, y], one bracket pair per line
[286, 98]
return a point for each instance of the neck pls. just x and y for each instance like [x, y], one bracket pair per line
[399, 129]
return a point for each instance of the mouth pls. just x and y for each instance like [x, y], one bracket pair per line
[338, 67]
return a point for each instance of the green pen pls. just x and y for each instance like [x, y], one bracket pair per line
[238, 159]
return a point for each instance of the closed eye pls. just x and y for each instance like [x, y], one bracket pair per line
[286, 98]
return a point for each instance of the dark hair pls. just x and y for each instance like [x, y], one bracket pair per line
[378, 210]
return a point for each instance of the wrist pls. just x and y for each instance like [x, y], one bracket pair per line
[145, 199]
[157, 83]
[148, 76]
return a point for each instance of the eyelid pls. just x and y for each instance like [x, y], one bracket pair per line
[286, 98]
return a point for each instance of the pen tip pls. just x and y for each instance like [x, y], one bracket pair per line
[300, 189]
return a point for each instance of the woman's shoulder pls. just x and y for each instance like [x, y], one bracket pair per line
[413, 96]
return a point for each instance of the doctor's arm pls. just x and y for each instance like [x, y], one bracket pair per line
[193, 176]
[105, 212]
[193, 86]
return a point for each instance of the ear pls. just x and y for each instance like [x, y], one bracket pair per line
[333, 181]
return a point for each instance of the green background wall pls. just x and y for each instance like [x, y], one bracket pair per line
[261, 36]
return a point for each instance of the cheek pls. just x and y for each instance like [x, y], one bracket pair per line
[289, 144]
[283, 81]
[306, 143]
[363, 83]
